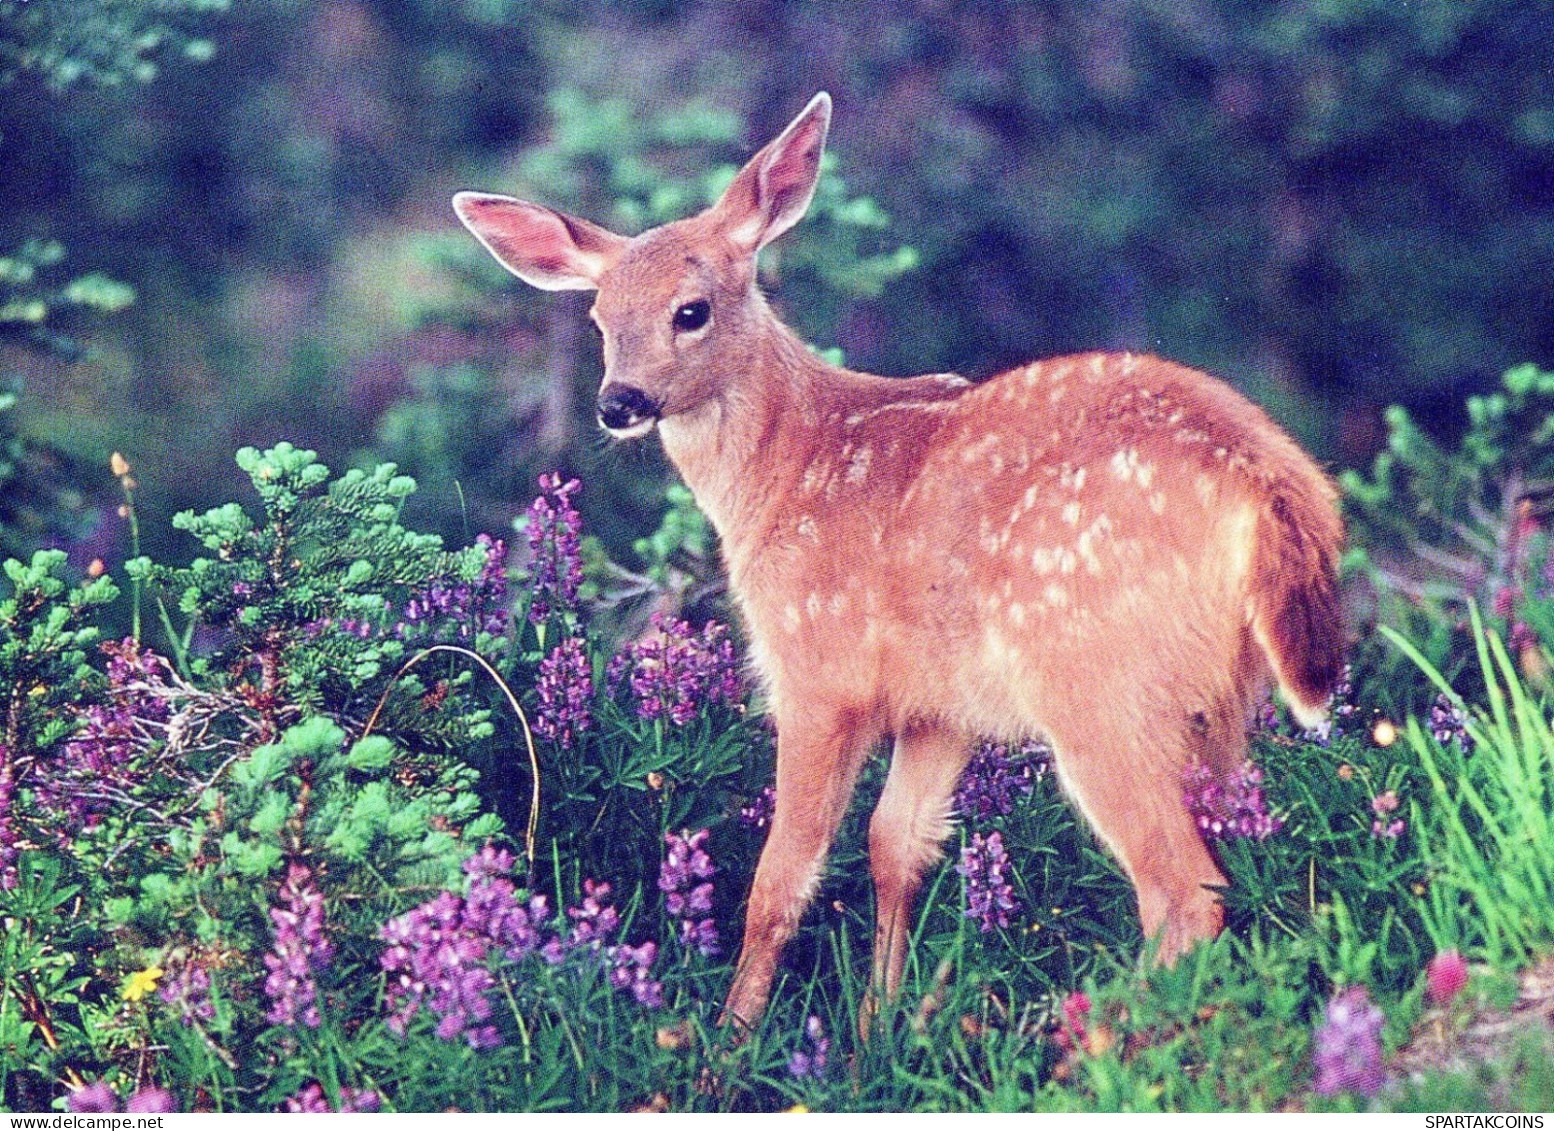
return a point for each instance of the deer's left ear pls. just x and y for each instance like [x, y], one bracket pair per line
[543, 247]
[773, 191]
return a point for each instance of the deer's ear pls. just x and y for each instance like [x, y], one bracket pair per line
[547, 249]
[773, 191]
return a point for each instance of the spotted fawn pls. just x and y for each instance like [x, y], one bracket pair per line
[1109, 550]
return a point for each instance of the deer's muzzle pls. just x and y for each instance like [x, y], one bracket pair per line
[626, 411]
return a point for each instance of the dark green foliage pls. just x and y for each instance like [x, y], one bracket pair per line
[31, 307]
[98, 42]
[220, 790]
[36, 496]
[1456, 519]
[311, 598]
[1337, 205]
[65, 44]
[1440, 526]
[45, 635]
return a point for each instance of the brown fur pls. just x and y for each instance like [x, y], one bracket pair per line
[1110, 550]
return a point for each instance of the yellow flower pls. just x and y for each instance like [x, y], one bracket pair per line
[141, 983]
[797, 1109]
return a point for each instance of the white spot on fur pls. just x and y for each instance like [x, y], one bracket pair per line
[812, 605]
[808, 528]
[1055, 596]
[1070, 513]
[1073, 478]
[1056, 559]
[998, 652]
[1157, 502]
[1017, 614]
[1125, 465]
[1098, 530]
[858, 465]
[791, 619]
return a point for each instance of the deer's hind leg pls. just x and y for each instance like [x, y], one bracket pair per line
[910, 822]
[1127, 782]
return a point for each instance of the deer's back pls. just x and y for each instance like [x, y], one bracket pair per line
[1083, 522]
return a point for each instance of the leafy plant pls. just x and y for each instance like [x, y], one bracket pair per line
[1448, 525]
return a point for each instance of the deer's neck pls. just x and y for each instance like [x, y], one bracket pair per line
[742, 452]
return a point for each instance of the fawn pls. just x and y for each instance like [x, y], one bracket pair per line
[1109, 550]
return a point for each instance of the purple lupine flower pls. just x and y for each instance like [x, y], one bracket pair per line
[93, 1098]
[701, 935]
[1229, 810]
[439, 954]
[808, 1061]
[566, 690]
[451, 609]
[675, 671]
[595, 919]
[310, 1099]
[1346, 1049]
[1385, 826]
[630, 971]
[187, 987]
[299, 949]
[990, 897]
[760, 810]
[150, 1101]
[490, 863]
[104, 753]
[554, 532]
[1449, 721]
[100, 1098]
[998, 776]
[8, 835]
[594, 922]
[685, 878]
[490, 605]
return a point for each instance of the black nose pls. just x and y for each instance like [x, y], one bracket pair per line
[621, 406]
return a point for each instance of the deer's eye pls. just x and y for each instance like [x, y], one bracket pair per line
[692, 316]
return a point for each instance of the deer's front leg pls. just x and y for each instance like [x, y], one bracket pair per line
[819, 752]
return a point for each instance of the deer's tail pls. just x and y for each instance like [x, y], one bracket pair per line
[1294, 604]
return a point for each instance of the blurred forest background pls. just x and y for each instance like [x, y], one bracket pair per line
[226, 222]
